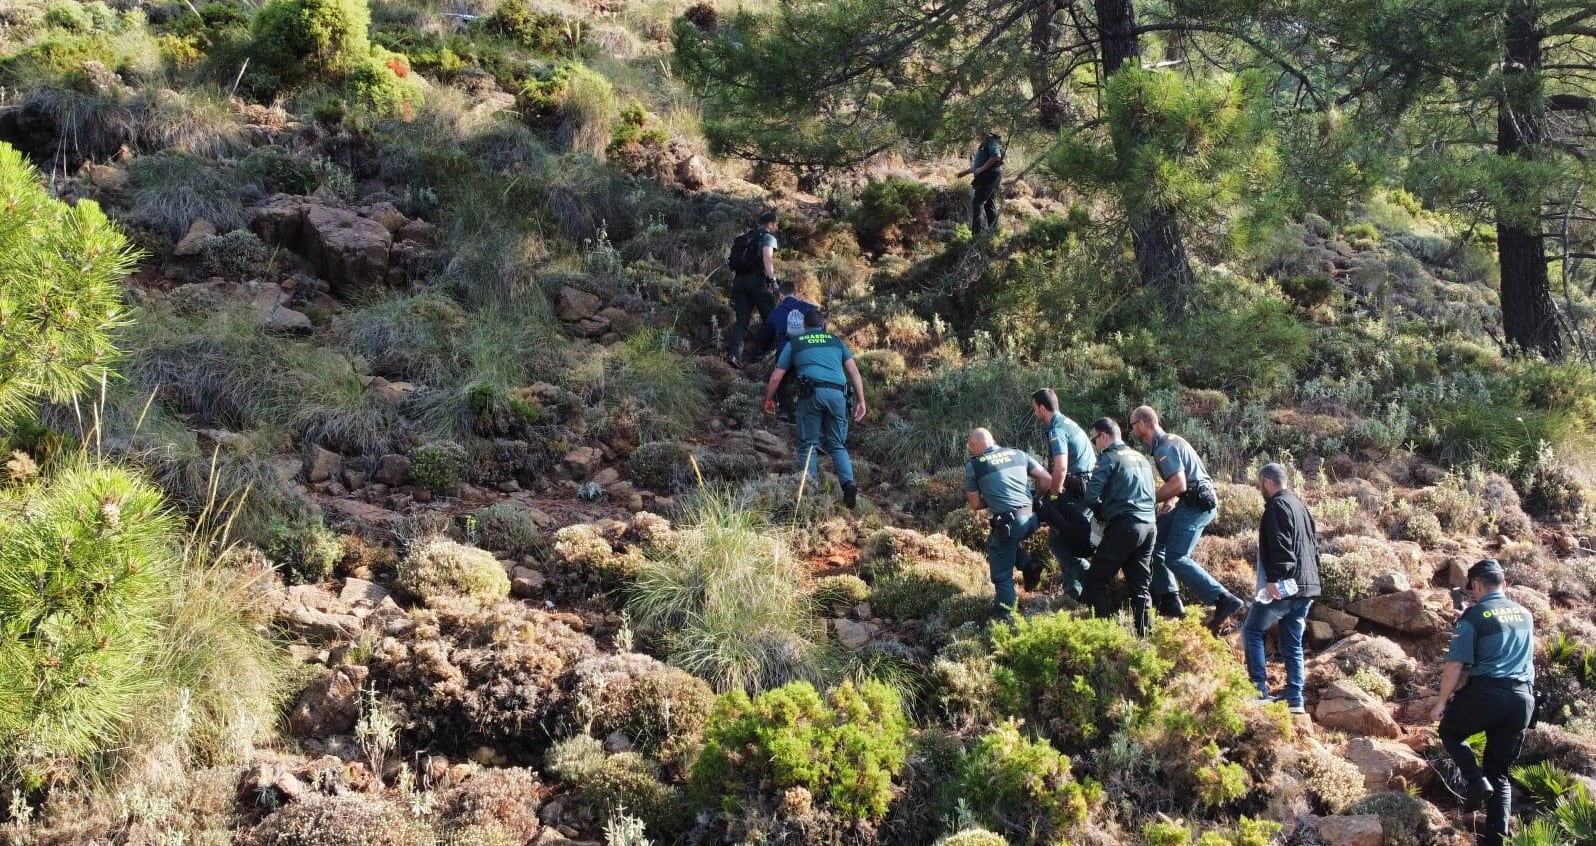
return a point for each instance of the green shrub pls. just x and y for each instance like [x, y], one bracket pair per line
[891, 213]
[920, 589]
[661, 466]
[172, 190]
[1410, 524]
[661, 709]
[1241, 508]
[438, 466]
[628, 780]
[503, 527]
[301, 41]
[1023, 787]
[1402, 817]
[1074, 675]
[237, 256]
[382, 86]
[68, 15]
[277, 171]
[86, 562]
[60, 273]
[1333, 782]
[544, 32]
[305, 549]
[839, 594]
[438, 567]
[844, 749]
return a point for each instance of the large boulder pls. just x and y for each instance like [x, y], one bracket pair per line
[331, 704]
[1414, 612]
[1386, 764]
[1348, 707]
[349, 251]
[266, 303]
[1351, 830]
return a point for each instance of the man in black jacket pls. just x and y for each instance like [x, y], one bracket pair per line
[1288, 581]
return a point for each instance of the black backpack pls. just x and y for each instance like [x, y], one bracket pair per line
[747, 252]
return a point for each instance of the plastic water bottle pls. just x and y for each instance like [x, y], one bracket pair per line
[1287, 587]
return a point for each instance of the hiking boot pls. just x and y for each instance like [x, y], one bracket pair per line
[1224, 609]
[1031, 576]
[1297, 709]
[850, 495]
[1478, 791]
[735, 362]
[1169, 606]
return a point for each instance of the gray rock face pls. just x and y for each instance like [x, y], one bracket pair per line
[349, 251]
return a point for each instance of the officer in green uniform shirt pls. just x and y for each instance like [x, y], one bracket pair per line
[1071, 458]
[986, 170]
[1494, 646]
[999, 479]
[1121, 494]
[821, 362]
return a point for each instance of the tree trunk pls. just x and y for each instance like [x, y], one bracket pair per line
[1529, 318]
[1052, 109]
[1161, 259]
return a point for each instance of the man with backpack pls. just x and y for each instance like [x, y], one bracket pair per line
[753, 262]
[783, 324]
[822, 362]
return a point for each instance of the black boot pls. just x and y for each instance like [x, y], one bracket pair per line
[1170, 606]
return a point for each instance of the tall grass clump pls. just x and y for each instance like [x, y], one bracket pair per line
[722, 599]
[172, 190]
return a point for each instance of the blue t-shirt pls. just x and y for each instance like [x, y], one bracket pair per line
[1172, 455]
[1066, 437]
[1496, 638]
[1002, 476]
[817, 354]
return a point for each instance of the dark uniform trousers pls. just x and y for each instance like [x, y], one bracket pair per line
[1501, 708]
[1127, 545]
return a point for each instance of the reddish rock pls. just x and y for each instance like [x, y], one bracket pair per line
[582, 462]
[1345, 706]
[392, 470]
[330, 705]
[577, 305]
[321, 464]
[1351, 830]
[1410, 611]
[1384, 761]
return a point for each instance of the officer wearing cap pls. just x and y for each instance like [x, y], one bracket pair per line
[999, 479]
[1493, 647]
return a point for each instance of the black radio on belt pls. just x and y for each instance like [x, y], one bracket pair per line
[1000, 521]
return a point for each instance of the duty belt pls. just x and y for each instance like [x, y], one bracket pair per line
[832, 385]
[1493, 681]
[1022, 511]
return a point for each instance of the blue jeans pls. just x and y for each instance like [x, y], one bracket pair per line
[823, 427]
[1292, 614]
[1003, 555]
[1178, 532]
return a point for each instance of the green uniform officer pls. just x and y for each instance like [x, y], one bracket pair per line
[1070, 462]
[1121, 494]
[986, 171]
[822, 362]
[999, 479]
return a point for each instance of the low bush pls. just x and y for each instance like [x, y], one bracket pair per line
[236, 256]
[839, 594]
[973, 837]
[1411, 524]
[660, 709]
[507, 796]
[437, 567]
[306, 550]
[298, 41]
[1241, 508]
[349, 819]
[438, 466]
[661, 466]
[503, 527]
[844, 749]
[892, 214]
[1333, 783]
[1023, 787]
[172, 190]
[1402, 817]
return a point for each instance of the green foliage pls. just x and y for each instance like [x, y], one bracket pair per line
[438, 466]
[892, 213]
[1577, 658]
[307, 550]
[1075, 675]
[236, 256]
[722, 596]
[1023, 787]
[503, 527]
[68, 15]
[845, 749]
[1411, 524]
[60, 293]
[297, 41]
[86, 563]
[172, 190]
[1333, 782]
[661, 466]
[350, 819]
[1402, 817]
[543, 32]
[437, 567]
[839, 594]
[973, 837]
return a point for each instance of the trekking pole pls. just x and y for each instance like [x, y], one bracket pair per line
[808, 457]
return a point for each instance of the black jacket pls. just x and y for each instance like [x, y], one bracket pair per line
[1288, 543]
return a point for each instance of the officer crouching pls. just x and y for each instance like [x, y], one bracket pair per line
[998, 478]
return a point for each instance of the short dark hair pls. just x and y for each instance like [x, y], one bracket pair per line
[1046, 398]
[815, 320]
[1488, 572]
[786, 286]
[1107, 426]
[1275, 472]
[768, 216]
